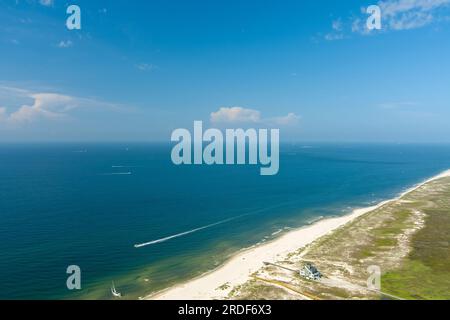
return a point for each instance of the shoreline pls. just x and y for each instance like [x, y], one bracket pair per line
[237, 269]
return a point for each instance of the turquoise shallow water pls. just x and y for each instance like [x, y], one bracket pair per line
[89, 204]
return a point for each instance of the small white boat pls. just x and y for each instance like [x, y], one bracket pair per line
[114, 291]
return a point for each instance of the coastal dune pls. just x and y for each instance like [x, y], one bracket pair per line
[218, 283]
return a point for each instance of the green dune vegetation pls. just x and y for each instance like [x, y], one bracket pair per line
[407, 238]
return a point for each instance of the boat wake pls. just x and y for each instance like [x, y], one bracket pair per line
[186, 232]
[118, 174]
[115, 167]
[209, 226]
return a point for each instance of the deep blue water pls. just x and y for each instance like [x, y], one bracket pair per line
[64, 204]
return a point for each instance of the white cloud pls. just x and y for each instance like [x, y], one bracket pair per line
[65, 44]
[47, 3]
[359, 26]
[290, 119]
[235, 114]
[146, 67]
[411, 20]
[336, 34]
[2, 114]
[243, 115]
[337, 25]
[42, 106]
[396, 7]
[45, 105]
[410, 14]
[396, 15]
[397, 105]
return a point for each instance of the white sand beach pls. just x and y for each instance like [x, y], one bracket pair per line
[238, 269]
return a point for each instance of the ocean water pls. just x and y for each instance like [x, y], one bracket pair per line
[89, 204]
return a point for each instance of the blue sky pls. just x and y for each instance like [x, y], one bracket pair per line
[139, 69]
